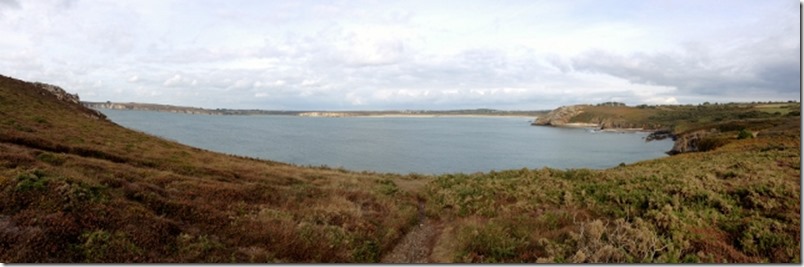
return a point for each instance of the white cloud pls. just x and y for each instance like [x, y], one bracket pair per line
[9, 4]
[411, 54]
[173, 81]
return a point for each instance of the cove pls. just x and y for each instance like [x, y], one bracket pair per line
[401, 145]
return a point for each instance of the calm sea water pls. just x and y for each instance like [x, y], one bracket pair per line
[398, 145]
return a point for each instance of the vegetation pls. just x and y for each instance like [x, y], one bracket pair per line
[737, 203]
[684, 118]
[75, 187]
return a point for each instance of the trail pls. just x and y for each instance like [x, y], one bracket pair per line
[417, 245]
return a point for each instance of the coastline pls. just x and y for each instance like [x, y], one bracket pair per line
[596, 128]
[440, 115]
[478, 113]
[580, 125]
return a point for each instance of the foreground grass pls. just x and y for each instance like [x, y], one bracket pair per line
[737, 203]
[75, 187]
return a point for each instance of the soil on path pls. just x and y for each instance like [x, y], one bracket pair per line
[417, 245]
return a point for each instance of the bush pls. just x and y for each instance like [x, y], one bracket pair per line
[367, 251]
[103, 246]
[745, 134]
[35, 180]
[492, 242]
[623, 242]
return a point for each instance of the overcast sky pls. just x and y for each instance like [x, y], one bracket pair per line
[350, 55]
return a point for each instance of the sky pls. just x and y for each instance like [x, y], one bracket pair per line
[391, 55]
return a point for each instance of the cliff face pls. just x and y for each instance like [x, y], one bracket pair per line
[609, 123]
[560, 116]
[151, 107]
[689, 142]
[602, 117]
[62, 95]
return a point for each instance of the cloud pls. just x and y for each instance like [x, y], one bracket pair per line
[386, 55]
[9, 4]
[757, 66]
[181, 81]
[372, 47]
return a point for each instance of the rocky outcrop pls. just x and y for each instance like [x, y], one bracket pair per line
[604, 118]
[60, 94]
[70, 99]
[620, 124]
[660, 135]
[690, 142]
[560, 116]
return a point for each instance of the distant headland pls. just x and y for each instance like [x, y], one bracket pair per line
[313, 113]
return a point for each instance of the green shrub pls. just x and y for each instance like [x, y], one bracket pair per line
[387, 187]
[35, 180]
[103, 246]
[744, 134]
[367, 251]
[492, 242]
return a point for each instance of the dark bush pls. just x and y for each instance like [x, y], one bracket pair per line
[744, 134]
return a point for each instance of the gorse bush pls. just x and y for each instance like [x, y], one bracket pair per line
[744, 134]
[35, 180]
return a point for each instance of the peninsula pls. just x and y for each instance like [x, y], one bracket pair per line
[692, 127]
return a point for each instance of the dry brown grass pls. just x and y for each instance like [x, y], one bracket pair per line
[80, 189]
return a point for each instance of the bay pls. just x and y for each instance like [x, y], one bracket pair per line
[403, 145]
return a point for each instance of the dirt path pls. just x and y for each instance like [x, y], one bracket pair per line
[417, 245]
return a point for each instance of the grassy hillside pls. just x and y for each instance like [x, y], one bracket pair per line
[683, 118]
[738, 203]
[75, 187]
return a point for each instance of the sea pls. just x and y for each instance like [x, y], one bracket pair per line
[403, 145]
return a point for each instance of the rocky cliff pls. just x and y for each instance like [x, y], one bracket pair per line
[602, 117]
[152, 107]
[62, 95]
[560, 116]
[612, 123]
[689, 142]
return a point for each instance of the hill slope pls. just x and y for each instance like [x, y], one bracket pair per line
[674, 118]
[735, 199]
[75, 187]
